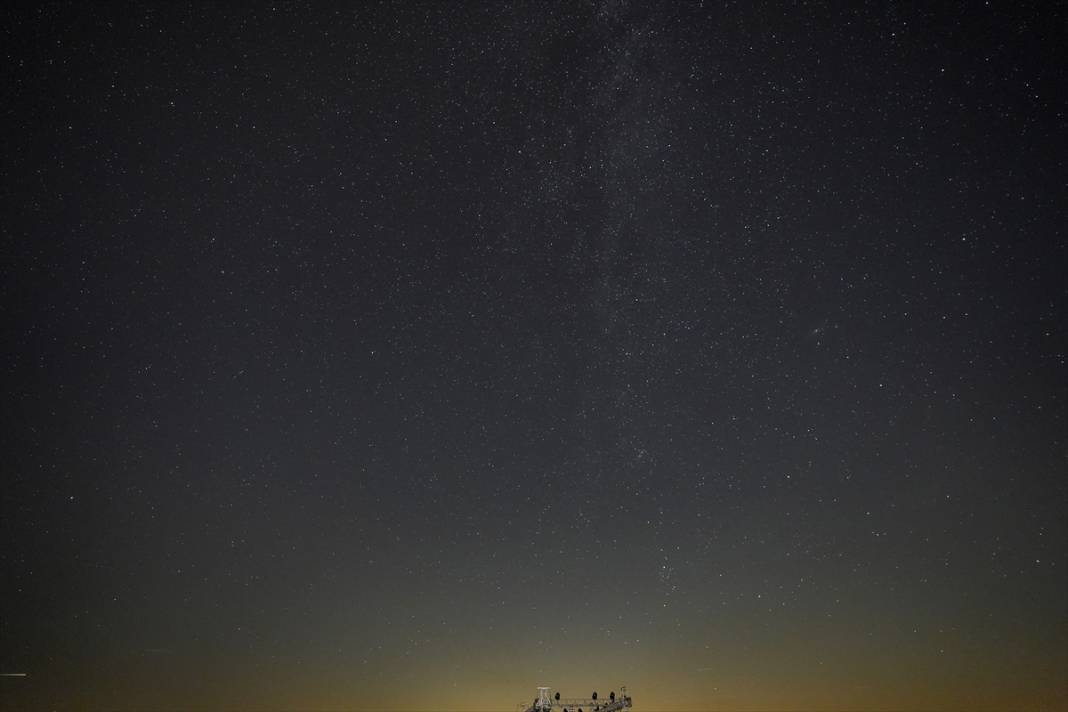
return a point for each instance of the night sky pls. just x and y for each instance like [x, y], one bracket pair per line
[410, 356]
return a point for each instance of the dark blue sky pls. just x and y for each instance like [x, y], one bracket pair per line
[408, 356]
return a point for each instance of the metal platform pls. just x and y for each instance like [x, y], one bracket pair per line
[547, 701]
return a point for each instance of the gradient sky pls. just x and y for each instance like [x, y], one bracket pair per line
[410, 356]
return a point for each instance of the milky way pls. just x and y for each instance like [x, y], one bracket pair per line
[410, 356]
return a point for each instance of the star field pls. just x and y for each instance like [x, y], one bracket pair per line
[409, 356]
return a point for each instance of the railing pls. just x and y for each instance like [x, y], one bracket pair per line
[586, 704]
